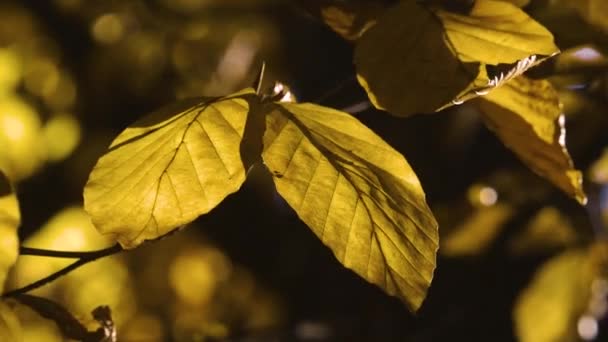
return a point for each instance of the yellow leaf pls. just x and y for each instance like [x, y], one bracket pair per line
[357, 194]
[404, 64]
[599, 170]
[10, 218]
[350, 20]
[548, 308]
[496, 32]
[169, 168]
[549, 229]
[526, 115]
[10, 328]
[476, 234]
[22, 150]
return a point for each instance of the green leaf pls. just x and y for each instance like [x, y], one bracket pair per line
[404, 64]
[10, 218]
[10, 327]
[357, 194]
[496, 32]
[168, 168]
[526, 115]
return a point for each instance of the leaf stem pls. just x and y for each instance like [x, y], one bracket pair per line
[83, 258]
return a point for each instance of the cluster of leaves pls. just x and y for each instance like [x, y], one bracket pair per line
[358, 195]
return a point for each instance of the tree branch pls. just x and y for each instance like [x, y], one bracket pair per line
[84, 258]
[62, 254]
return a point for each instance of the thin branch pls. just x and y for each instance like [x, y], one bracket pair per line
[85, 258]
[61, 254]
[336, 89]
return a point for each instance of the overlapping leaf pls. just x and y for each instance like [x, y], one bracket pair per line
[422, 60]
[405, 65]
[10, 219]
[169, 168]
[496, 32]
[10, 327]
[525, 114]
[357, 194]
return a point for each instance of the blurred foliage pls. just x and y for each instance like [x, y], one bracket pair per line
[517, 258]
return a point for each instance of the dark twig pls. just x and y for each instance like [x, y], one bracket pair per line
[84, 258]
[62, 254]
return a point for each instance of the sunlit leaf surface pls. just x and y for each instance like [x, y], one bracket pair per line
[526, 115]
[358, 195]
[10, 328]
[496, 32]
[168, 168]
[404, 64]
[547, 309]
[10, 219]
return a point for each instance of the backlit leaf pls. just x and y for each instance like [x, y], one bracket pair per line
[496, 32]
[357, 194]
[10, 219]
[548, 308]
[168, 168]
[526, 115]
[404, 64]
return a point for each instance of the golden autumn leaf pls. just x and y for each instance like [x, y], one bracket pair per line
[10, 218]
[526, 115]
[417, 59]
[168, 168]
[357, 194]
[496, 32]
[548, 309]
[477, 232]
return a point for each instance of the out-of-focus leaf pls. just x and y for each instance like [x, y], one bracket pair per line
[10, 70]
[599, 169]
[595, 12]
[10, 328]
[548, 230]
[404, 64]
[526, 115]
[475, 235]
[10, 218]
[496, 32]
[61, 136]
[168, 168]
[22, 151]
[548, 308]
[358, 195]
[350, 20]
[579, 58]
